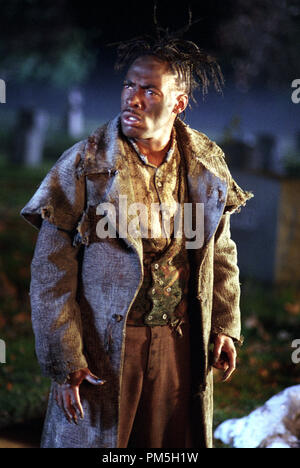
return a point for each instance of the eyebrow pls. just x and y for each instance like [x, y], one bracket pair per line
[148, 86]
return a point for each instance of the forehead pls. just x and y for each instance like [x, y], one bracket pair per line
[151, 69]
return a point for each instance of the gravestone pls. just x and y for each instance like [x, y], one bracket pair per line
[2, 92]
[30, 137]
[75, 120]
[267, 230]
[2, 352]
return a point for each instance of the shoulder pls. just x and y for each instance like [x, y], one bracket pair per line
[69, 162]
[73, 159]
[199, 148]
[206, 144]
[198, 143]
[59, 197]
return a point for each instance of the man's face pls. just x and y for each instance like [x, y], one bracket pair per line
[149, 99]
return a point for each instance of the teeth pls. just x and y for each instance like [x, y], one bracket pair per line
[133, 119]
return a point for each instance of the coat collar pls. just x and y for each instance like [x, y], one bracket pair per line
[208, 177]
[105, 149]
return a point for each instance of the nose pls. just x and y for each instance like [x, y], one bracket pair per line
[134, 99]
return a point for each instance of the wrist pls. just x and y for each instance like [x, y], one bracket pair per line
[76, 377]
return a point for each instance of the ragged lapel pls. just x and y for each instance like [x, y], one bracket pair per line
[107, 178]
[203, 183]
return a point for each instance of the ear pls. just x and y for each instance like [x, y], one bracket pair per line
[182, 102]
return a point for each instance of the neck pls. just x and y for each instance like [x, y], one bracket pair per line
[153, 145]
[155, 149]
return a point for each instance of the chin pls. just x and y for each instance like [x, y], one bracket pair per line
[131, 131]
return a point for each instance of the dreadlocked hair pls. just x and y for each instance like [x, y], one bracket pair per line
[192, 66]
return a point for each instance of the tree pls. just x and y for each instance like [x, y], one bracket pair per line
[42, 42]
[261, 41]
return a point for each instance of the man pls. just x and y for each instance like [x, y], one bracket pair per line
[124, 321]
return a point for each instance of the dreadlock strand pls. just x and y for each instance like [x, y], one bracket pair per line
[192, 67]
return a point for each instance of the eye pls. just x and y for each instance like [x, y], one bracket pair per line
[151, 92]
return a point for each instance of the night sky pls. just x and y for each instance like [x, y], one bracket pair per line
[134, 18]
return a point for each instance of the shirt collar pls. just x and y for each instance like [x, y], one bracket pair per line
[168, 155]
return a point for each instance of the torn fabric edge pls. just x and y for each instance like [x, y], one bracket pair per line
[236, 198]
[82, 234]
[60, 197]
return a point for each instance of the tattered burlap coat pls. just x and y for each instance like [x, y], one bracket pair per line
[82, 286]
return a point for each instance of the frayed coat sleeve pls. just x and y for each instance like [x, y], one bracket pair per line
[56, 318]
[226, 316]
[226, 294]
[54, 210]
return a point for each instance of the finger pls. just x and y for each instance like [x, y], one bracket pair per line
[73, 409]
[93, 379]
[232, 366]
[66, 406]
[228, 374]
[221, 365]
[77, 402]
[72, 404]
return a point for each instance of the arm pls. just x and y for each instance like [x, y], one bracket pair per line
[55, 312]
[226, 295]
[226, 323]
[56, 317]
[55, 209]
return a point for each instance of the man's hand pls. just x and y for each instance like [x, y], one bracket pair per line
[67, 395]
[224, 355]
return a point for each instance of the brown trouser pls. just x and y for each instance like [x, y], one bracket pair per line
[155, 393]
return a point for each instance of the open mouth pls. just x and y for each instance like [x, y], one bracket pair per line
[131, 119]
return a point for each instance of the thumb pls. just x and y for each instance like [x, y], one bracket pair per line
[93, 379]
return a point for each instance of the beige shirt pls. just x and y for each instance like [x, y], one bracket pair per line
[157, 189]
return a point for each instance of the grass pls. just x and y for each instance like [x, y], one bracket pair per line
[23, 391]
[270, 320]
[264, 367]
